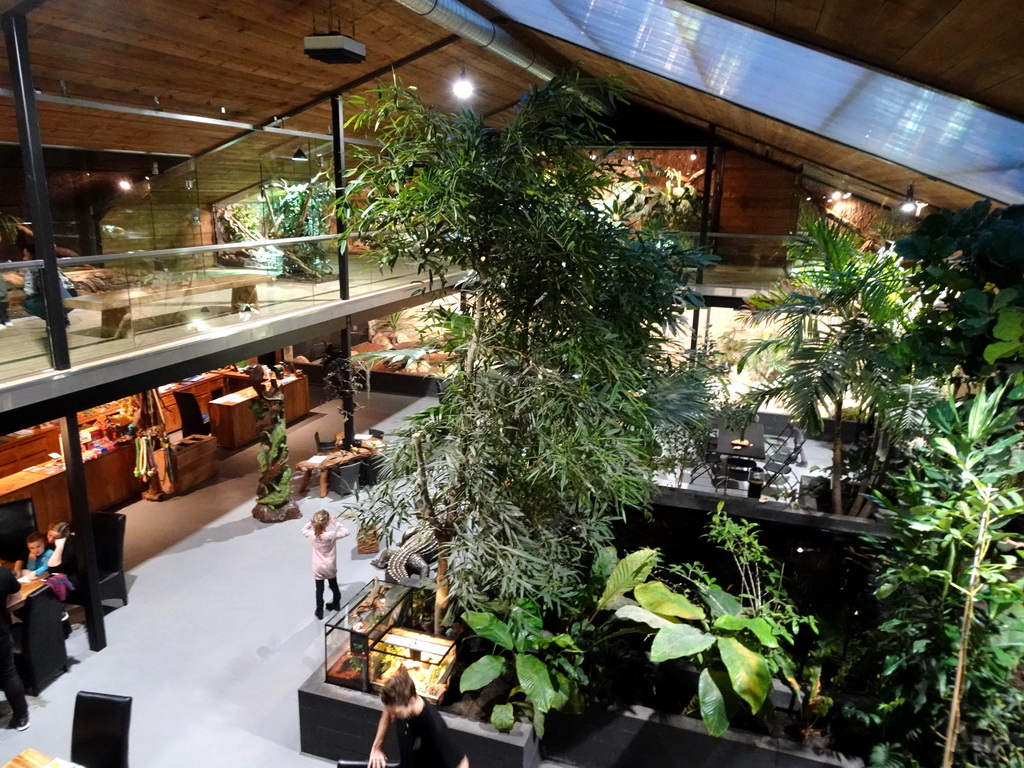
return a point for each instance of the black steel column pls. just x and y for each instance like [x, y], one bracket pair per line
[81, 521]
[338, 146]
[705, 222]
[348, 400]
[16, 37]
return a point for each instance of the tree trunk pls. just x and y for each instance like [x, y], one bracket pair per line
[441, 594]
[966, 623]
[837, 460]
[860, 503]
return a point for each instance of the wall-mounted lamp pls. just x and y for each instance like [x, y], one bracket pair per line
[462, 88]
[300, 156]
[909, 206]
[693, 155]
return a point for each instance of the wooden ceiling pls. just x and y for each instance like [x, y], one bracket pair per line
[964, 47]
[240, 61]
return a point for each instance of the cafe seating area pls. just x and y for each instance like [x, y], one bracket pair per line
[768, 459]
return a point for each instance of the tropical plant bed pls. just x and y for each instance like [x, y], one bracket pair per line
[337, 723]
[642, 736]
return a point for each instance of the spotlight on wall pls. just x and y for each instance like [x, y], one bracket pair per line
[462, 87]
[300, 156]
[909, 206]
[124, 184]
[693, 155]
[836, 195]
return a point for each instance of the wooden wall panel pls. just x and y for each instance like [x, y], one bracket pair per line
[757, 198]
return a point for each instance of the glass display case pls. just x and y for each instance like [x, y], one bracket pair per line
[374, 634]
[427, 658]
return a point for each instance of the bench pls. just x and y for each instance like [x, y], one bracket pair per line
[115, 306]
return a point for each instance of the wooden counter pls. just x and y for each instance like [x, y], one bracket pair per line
[109, 479]
[232, 421]
[205, 387]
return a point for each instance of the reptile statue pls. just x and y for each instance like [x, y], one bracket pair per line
[414, 553]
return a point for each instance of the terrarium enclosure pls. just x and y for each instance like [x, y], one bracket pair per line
[377, 632]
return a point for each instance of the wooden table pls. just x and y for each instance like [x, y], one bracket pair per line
[15, 601]
[232, 421]
[753, 434]
[29, 758]
[333, 459]
[115, 306]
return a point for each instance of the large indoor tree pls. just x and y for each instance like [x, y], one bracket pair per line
[839, 316]
[544, 433]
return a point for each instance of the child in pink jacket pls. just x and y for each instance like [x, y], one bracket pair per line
[325, 560]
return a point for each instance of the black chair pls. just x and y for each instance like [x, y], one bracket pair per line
[39, 652]
[371, 469]
[108, 535]
[99, 733]
[323, 446]
[193, 420]
[344, 479]
[17, 521]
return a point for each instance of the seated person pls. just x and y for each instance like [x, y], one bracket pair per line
[59, 538]
[38, 556]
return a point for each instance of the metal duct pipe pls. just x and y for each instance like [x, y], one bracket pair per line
[457, 18]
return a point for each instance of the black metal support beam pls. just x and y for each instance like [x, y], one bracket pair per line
[705, 224]
[16, 36]
[348, 401]
[426, 50]
[81, 521]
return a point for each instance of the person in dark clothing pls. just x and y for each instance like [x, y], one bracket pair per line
[14, 689]
[423, 737]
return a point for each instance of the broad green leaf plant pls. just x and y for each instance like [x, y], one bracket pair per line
[739, 642]
[548, 666]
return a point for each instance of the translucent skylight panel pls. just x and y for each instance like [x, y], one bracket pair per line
[934, 133]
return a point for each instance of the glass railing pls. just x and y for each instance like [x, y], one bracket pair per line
[131, 301]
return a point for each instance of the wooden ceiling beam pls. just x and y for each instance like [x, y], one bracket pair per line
[350, 85]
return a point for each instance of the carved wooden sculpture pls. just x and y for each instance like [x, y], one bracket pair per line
[273, 502]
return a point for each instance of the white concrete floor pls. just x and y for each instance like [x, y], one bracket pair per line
[219, 632]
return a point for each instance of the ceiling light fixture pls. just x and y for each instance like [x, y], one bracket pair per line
[462, 88]
[124, 184]
[909, 206]
[300, 156]
[836, 195]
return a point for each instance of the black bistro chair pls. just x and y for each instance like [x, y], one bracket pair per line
[99, 732]
[193, 420]
[39, 652]
[17, 521]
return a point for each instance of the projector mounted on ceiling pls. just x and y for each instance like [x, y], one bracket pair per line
[334, 48]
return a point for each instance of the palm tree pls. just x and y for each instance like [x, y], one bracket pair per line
[839, 316]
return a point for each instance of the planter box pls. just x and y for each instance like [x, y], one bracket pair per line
[337, 723]
[641, 736]
[401, 383]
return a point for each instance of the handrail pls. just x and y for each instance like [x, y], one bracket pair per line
[194, 249]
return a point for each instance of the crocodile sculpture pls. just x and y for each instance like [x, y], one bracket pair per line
[414, 553]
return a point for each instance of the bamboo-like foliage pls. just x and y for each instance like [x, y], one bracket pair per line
[545, 431]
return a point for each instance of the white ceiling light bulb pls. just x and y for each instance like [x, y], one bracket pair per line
[693, 155]
[124, 184]
[462, 87]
